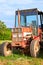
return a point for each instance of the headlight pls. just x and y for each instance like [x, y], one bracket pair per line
[14, 35]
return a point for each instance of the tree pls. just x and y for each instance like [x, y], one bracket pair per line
[5, 33]
[2, 25]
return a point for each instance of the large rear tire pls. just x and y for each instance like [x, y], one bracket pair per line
[34, 48]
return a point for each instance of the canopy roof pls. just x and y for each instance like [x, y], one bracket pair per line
[29, 11]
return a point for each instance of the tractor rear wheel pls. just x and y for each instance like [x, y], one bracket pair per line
[34, 48]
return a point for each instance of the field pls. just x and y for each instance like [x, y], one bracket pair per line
[21, 59]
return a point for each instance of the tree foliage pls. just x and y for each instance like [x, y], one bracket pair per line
[5, 33]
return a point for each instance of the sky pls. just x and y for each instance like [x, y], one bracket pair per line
[8, 8]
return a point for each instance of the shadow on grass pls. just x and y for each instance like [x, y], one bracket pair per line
[28, 55]
[41, 54]
[20, 54]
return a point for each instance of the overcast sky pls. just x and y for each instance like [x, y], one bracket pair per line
[8, 8]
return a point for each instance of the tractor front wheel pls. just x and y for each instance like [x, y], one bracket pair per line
[34, 48]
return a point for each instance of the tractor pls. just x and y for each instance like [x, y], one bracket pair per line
[27, 34]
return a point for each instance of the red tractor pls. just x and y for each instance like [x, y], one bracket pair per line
[28, 32]
[27, 35]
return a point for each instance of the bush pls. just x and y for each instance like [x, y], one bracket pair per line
[5, 33]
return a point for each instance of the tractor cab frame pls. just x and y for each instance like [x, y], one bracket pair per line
[29, 18]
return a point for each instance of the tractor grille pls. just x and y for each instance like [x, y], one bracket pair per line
[17, 35]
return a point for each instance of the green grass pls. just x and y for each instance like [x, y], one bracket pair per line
[21, 59]
[17, 59]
